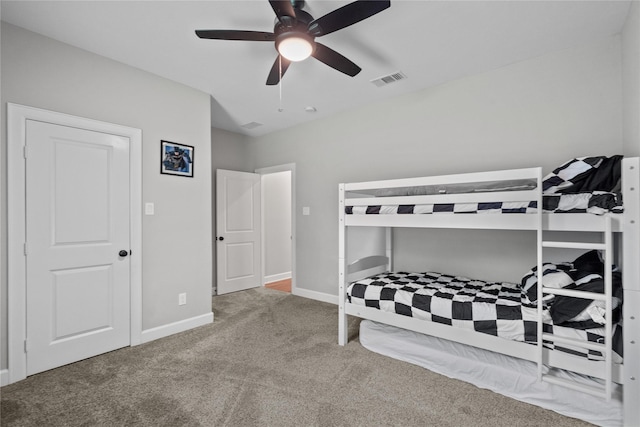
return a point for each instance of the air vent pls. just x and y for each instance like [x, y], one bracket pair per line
[386, 80]
[251, 125]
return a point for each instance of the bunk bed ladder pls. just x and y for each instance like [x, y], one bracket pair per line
[604, 348]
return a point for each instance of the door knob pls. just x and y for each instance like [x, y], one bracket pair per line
[221, 238]
[123, 253]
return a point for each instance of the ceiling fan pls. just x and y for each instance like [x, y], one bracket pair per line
[295, 31]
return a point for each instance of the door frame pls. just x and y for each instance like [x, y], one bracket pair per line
[266, 171]
[17, 116]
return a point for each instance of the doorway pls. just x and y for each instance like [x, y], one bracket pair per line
[278, 227]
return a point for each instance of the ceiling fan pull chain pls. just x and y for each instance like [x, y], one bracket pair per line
[280, 109]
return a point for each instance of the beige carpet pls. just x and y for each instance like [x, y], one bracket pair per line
[269, 359]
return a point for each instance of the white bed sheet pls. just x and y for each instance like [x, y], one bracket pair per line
[502, 374]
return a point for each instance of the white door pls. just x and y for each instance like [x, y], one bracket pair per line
[78, 242]
[237, 230]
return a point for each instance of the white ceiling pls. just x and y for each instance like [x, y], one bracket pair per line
[430, 41]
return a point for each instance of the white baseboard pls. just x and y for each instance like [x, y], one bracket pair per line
[4, 377]
[176, 327]
[318, 296]
[276, 277]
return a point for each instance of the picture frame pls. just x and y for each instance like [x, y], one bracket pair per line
[176, 159]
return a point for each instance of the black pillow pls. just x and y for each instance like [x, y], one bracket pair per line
[604, 178]
[589, 262]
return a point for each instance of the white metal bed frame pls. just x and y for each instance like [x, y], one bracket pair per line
[626, 225]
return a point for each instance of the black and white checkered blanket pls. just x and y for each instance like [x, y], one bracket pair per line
[492, 308]
[585, 174]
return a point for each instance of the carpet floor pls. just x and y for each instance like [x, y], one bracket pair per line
[269, 359]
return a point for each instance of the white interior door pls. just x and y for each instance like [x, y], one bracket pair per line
[77, 244]
[237, 230]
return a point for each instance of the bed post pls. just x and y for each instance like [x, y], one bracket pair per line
[631, 285]
[389, 247]
[539, 269]
[342, 269]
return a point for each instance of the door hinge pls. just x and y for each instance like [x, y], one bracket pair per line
[26, 346]
[24, 151]
[25, 249]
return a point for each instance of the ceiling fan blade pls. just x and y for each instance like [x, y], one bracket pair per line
[334, 60]
[274, 74]
[284, 11]
[258, 36]
[345, 16]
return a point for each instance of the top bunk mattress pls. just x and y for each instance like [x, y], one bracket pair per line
[581, 185]
[597, 203]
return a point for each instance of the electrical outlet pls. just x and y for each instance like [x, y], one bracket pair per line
[182, 299]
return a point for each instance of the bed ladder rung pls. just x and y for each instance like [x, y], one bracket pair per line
[573, 245]
[593, 390]
[576, 343]
[576, 294]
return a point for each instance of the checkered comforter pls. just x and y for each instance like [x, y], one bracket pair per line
[581, 185]
[490, 308]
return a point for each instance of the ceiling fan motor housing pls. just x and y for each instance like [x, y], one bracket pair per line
[297, 4]
[297, 29]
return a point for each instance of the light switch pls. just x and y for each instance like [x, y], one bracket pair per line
[306, 210]
[149, 209]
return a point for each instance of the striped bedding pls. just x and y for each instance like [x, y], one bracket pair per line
[596, 203]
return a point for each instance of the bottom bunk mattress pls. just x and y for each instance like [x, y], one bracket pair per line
[492, 308]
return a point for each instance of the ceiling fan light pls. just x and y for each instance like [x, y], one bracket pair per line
[295, 48]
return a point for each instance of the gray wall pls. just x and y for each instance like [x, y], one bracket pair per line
[539, 112]
[631, 80]
[229, 151]
[43, 73]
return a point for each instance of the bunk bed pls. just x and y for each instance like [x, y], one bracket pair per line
[569, 321]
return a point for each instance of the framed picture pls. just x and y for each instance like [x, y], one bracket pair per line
[176, 159]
